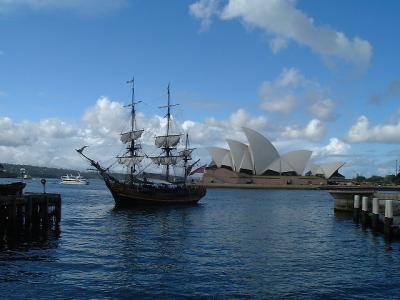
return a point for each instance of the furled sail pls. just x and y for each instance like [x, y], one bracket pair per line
[127, 137]
[167, 140]
[130, 161]
[186, 152]
[166, 160]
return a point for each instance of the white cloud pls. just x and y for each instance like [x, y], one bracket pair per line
[278, 95]
[87, 7]
[313, 131]
[283, 22]
[51, 142]
[204, 10]
[282, 19]
[291, 90]
[281, 104]
[323, 109]
[106, 117]
[278, 44]
[335, 147]
[289, 77]
[239, 119]
[361, 131]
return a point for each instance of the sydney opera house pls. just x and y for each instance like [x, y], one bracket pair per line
[259, 162]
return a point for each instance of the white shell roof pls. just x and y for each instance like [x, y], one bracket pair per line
[217, 154]
[260, 155]
[327, 170]
[330, 169]
[237, 150]
[298, 160]
[280, 165]
[315, 169]
[263, 153]
[227, 160]
[240, 155]
[247, 163]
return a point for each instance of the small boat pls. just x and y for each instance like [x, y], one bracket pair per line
[27, 176]
[24, 174]
[70, 179]
[12, 189]
[138, 189]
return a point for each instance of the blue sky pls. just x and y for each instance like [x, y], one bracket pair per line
[320, 75]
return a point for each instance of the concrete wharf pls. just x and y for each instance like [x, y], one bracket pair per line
[375, 209]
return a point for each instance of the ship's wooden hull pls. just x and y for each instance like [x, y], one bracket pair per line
[131, 195]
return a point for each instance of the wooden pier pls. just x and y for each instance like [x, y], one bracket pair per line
[378, 210]
[27, 213]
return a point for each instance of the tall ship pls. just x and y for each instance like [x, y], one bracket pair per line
[138, 189]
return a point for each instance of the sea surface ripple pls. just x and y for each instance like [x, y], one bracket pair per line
[267, 244]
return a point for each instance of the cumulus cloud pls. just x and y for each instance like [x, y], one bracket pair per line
[51, 142]
[291, 89]
[239, 119]
[323, 109]
[335, 147]
[204, 10]
[361, 131]
[313, 131]
[278, 95]
[88, 7]
[105, 116]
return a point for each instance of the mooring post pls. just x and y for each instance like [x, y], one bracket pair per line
[388, 218]
[43, 182]
[35, 214]
[364, 210]
[356, 210]
[375, 213]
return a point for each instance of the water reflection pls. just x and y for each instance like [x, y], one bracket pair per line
[34, 239]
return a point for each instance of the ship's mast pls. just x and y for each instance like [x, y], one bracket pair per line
[186, 158]
[131, 158]
[167, 148]
[167, 142]
[133, 112]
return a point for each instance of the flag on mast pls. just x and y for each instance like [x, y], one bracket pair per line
[201, 169]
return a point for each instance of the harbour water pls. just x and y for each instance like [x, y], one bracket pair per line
[234, 244]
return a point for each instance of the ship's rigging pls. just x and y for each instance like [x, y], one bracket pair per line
[137, 189]
[167, 142]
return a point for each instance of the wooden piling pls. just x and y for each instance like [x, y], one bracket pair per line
[28, 213]
[57, 210]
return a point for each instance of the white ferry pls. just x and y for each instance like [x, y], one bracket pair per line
[70, 179]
